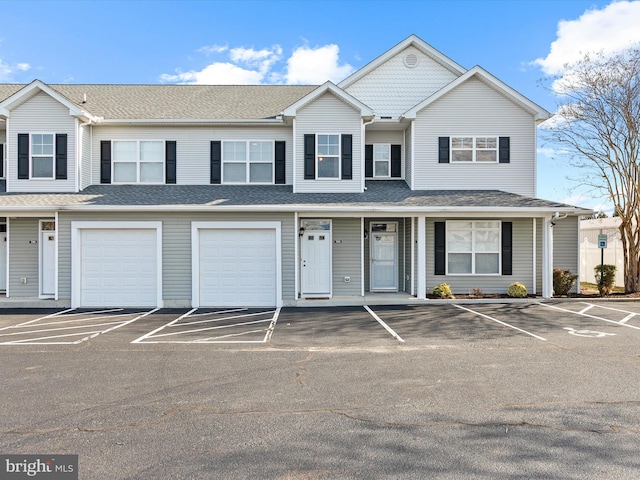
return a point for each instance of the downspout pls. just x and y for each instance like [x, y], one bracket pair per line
[92, 121]
[362, 159]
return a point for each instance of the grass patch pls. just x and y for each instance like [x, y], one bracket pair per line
[594, 287]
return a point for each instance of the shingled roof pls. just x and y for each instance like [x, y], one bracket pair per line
[173, 102]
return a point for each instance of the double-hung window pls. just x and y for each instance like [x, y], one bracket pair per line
[473, 247]
[247, 161]
[138, 161]
[474, 149]
[381, 160]
[42, 155]
[328, 156]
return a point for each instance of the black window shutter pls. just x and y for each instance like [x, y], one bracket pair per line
[443, 149]
[23, 156]
[368, 161]
[396, 161]
[280, 163]
[216, 162]
[440, 248]
[1, 160]
[504, 150]
[507, 248]
[309, 157]
[347, 157]
[170, 161]
[61, 156]
[105, 161]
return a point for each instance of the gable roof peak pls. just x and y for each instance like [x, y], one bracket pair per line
[328, 86]
[411, 40]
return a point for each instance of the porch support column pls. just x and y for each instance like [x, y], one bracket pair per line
[547, 258]
[421, 275]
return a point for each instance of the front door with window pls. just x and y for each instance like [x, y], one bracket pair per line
[315, 258]
[47, 258]
[384, 265]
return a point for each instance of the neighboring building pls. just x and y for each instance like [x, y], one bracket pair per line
[590, 253]
[411, 172]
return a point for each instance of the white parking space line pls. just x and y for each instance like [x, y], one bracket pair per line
[272, 326]
[587, 308]
[384, 325]
[215, 326]
[89, 327]
[589, 316]
[501, 322]
[629, 316]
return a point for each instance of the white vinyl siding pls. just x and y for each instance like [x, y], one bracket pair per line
[328, 114]
[522, 262]
[475, 109]
[193, 146]
[40, 114]
[410, 86]
[176, 248]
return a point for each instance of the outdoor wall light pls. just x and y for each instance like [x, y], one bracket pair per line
[301, 232]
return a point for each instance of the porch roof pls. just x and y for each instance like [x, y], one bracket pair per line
[392, 196]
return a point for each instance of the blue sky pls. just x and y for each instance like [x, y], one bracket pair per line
[287, 41]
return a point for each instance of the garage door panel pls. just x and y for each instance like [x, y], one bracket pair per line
[237, 267]
[119, 267]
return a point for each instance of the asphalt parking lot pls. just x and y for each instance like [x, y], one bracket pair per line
[457, 390]
[562, 323]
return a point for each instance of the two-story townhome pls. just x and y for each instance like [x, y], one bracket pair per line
[411, 172]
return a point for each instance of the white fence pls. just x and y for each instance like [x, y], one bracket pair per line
[590, 253]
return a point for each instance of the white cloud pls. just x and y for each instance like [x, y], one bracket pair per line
[609, 30]
[316, 65]
[7, 71]
[245, 66]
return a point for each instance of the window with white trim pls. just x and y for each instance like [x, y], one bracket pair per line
[247, 161]
[474, 149]
[138, 161]
[42, 155]
[328, 156]
[381, 160]
[473, 247]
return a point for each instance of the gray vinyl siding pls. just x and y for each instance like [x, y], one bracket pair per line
[462, 284]
[23, 257]
[475, 109]
[40, 114]
[329, 115]
[87, 159]
[346, 256]
[176, 248]
[408, 154]
[193, 146]
[566, 245]
[393, 88]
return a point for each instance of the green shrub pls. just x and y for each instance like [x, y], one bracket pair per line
[517, 290]
[442, 291]
[563, 281]
[605, 278]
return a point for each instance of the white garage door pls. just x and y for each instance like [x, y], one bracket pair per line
[119, 268]
[237, 267]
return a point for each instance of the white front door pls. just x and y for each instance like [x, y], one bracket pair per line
[48, 258]
[384, 266]
[315, 257]
[3, 256]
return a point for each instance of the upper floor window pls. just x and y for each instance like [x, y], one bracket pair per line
[473, 247]
[42, 154]
[138, 161]
[381, 159]
[328, 156]
[247, 161]
[474, 149]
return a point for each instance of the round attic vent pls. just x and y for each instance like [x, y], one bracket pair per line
[411, 60]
